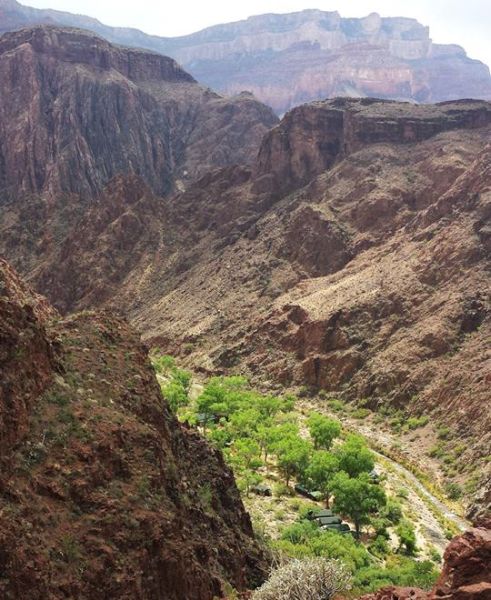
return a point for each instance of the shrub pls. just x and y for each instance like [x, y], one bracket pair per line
[281, 489]
[393, 511]
[360, 413]
[407, 538]
[300, 532]
[305, 579]
[416, 422]
[379, 547]
[336, 405]
[304, 538]
[163, 364]
[399, 571]
[453, 490]
[443, 432]
[435, 555]
[402, 493]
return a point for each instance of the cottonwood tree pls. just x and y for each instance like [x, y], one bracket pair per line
[293, 456]
[357, 498]
[355, 457]
[323, 430]
[322, 468]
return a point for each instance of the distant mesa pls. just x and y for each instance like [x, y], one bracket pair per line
[288, 59]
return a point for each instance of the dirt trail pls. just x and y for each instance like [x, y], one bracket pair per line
[413, 482]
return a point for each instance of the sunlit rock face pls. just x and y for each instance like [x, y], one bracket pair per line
[289, 59]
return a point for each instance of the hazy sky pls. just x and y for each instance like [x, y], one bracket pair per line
[464, 22]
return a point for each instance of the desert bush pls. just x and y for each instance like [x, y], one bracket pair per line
[335, 405]
[453, 490]
[305, 579]
[416, 422]
[399, 571]
[407, 538]
[361, 413]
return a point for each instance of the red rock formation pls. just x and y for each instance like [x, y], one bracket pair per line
[289, 59]
[311, 138]
[24, 348]
[76, 111]
[102, 493]
[466, 571]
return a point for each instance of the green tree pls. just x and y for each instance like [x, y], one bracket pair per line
[268, 406]
[247, 479]
[220, 437]
[163, 363]
[407, 538]
[322, 468]
[323, 430]
[175, 395]
[262, 435]
[221, 397]
[357, 498]
[293, 456]
[245, 422]
[281, 431]
[183, 378]
[355, 457]
[248, 452]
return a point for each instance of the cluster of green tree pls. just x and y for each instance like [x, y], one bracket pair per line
[304, 539]
[254, 430]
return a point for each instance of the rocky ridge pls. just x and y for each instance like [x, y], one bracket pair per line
[290, 59]
[103, 494]
[77, 111]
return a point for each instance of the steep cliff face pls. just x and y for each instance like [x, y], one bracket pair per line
[289, 59]
[311, 138]
[24, 347]
[76, 111]
[102, 493]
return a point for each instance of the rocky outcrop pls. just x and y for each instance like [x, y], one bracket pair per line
[76, 111]
[311, 138]
[103, 494]
[289, 59]
[24, 347]
[465, 576]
